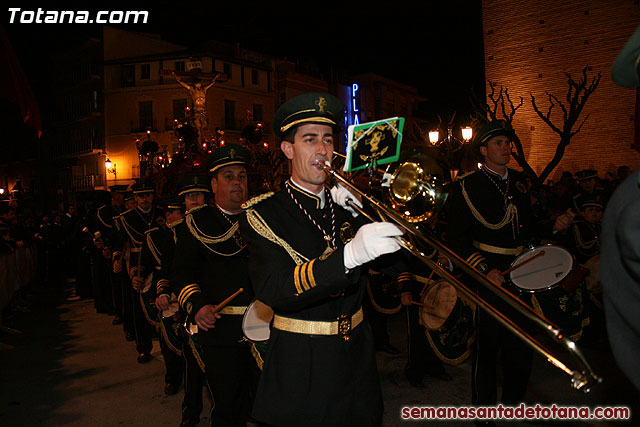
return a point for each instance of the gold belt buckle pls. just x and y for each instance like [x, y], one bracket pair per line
[344, 327]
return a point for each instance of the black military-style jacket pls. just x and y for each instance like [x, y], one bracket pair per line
[583, 240]
[157, 252]
[323, 380]
[105, 223]
[478, 215]
[133, 227]
[209, 265]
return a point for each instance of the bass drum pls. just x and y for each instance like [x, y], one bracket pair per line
[448, 322]
[256, 326]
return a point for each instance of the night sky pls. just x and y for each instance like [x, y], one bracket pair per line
[435, 46]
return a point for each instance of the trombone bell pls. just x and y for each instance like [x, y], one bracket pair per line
[418, 188]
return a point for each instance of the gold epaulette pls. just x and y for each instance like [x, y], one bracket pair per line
[192, 210]
[257, 199]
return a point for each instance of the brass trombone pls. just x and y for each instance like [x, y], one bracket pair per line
[581, 379]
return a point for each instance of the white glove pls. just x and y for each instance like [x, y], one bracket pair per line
[341, 195]
[371, 241]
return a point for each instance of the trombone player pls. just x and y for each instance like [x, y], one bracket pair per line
[489, 223]
[307, 260]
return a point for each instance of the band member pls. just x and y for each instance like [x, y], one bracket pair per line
[105, 222]
[583, 238]
[194, 191]
[210, 264]
[121, 256]
[153, 283]
[304, 262]
[134, 224]
[489, 222]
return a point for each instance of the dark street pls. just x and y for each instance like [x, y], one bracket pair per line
[71, 367]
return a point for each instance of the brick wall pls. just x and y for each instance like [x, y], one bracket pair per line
[529, 45]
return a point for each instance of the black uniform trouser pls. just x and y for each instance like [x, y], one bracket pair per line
[194, 380]
[102, 299]
[173, 364]
[116, 292]
[143, 330]
[492, 338]
[84, 287]
[378, 323]
[232, 376]
[124, 286]
[421, 359]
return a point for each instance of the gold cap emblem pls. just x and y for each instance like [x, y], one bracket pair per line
[321, 103]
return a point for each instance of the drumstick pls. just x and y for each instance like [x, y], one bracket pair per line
[509, 270]
[424, 288]
[220, 306]
[429, 312]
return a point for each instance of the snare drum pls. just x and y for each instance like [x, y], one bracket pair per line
[558, 287]
[543, 273]
[448, 322]
[256, 328]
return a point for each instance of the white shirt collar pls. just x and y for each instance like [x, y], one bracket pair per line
[319, 195]
[505, 176]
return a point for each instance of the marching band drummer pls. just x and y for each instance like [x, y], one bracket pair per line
[132, 227]
[489, 223]
[156, 245]
[209, 265]
[194, 191]
[305, 261]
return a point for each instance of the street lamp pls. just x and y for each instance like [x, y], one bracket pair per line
[111, 168]
[450, 144]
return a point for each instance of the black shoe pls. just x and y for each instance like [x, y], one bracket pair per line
[171, 389]
[144, 358]
[129, 336]
[189, 423]
[117, 320]
[388, 348]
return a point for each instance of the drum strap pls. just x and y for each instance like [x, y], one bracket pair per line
[497, 250]
[313, 327]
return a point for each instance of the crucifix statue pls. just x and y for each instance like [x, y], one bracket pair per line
[198, 91]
